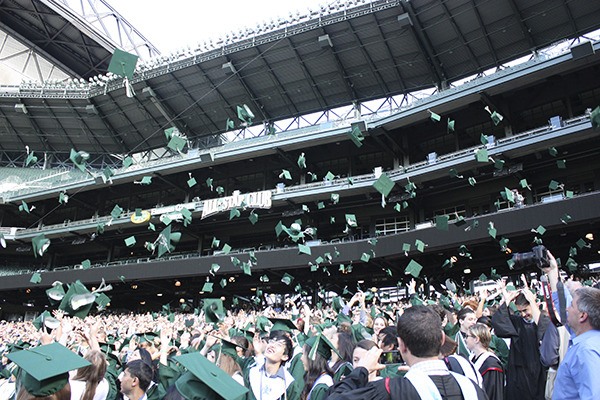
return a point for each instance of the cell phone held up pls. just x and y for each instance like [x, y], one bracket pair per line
[391, 357]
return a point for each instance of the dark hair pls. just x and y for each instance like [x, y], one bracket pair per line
[439, 310]
[246, 345]
[366, 344]
[289, 347]
[448, 347]
[314, 370]
[521, 300]
[345, 346]
[146, 357]
[485, 320]
[420, 330]
[173, 394]
[390, 337]
[463, 313]
[588, 301]
[139, 369]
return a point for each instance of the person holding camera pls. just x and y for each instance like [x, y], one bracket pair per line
[578, 375]
[525, 375]
[420, 339]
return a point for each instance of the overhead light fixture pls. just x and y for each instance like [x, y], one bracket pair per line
[159, 294]
[20, 107]
[91, 109]
[134, 286]
[228, 68]
[182, 300]
[143, 302]
[177, 283]
[467, 271]
[589, 236]
[325, 41]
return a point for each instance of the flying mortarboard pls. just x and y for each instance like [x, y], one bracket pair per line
[304, 249]
[123, 64]
[301, 161]
[177, 143]
[329, 176]
[552, 151]
[63, 198]
[207, 287]
[285, 174]
[204, 380]
[78, 300]
[384, 185]
[127, 162]
[25, 207]
[561, 164]
[192, 181]
[595, 118]
[55, 293]
[245, 114]
[481, 155]
[441, 222]
[413, 268]
[356, 135]
[253, 217]
[434, 117]
[45, 368]
[213, 310]
[79, 158]
[287, 279]
[40, 244]
[451, 125]
[130, 241]
[31, 159]
[36, 278]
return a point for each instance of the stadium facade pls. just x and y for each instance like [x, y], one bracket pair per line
[282, 136]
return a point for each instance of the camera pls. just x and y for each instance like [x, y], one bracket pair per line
[538, 256]
[390, 357]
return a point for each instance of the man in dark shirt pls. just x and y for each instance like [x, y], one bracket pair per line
[419, 341]
[525, 375]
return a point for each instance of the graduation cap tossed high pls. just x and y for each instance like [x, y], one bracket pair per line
[44, 369]
[78, 300]
[204, 380]
[123, 64]
[40, 244]
[45, 319]
[79, 158]
[213, 310]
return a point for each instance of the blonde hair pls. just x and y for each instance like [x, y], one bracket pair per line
[482, 332]
[93, 374]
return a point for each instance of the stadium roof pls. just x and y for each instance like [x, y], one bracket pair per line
[339, 56]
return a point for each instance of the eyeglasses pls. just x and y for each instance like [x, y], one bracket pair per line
[274, 342]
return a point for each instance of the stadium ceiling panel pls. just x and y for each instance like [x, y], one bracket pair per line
[59, 34]
[362, 52]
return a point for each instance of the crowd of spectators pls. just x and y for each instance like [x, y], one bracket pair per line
[471, 346]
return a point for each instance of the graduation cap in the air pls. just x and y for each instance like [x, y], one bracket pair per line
[24, 207]
[40, 244]
[204, 380]
[79, 158]
[123, 64]
[44, 369]
[45, 319]
[31, 158]
[55, 293]
[245, 114]
[384, 185]
[213, 310]
[595, 118]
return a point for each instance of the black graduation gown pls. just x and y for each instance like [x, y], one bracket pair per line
[525, 375]
[356, 386]
[493, 378]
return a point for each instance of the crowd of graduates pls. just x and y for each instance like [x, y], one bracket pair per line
[296, 352]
